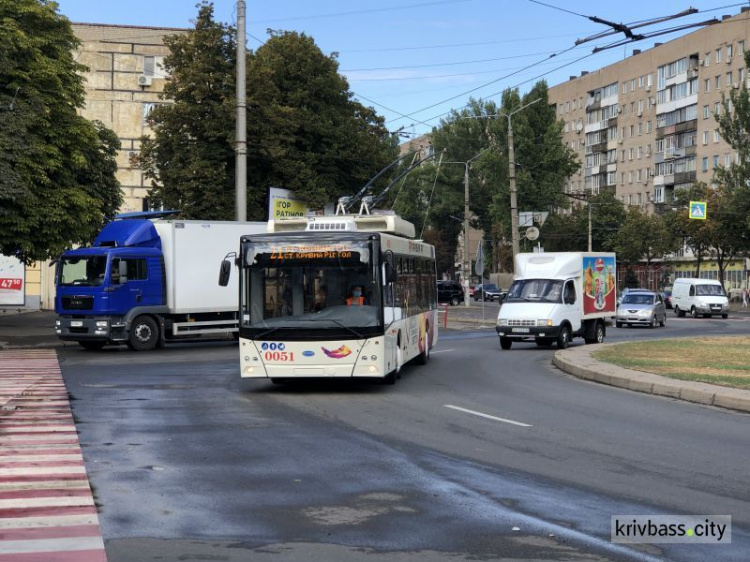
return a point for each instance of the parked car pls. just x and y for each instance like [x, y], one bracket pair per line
[666, 294]
[450, 291]
[644, 308]
[699, 296]
[472, 287]
[489, 292]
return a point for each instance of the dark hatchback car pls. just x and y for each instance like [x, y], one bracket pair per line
[450, 291]
[488, 292]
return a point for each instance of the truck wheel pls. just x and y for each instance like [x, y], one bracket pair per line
[91, 345]
[144, 334]
[505, 343]
[563, 339]
[598, 334]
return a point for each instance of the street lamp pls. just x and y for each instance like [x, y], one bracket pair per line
[466, 261]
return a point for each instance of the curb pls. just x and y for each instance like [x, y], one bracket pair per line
[578, 362]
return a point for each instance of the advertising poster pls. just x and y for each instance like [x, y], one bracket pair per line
[12, 275]
[599, 284]
[283, 203]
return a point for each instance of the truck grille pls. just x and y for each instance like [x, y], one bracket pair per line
[521, 322]
[77, 303]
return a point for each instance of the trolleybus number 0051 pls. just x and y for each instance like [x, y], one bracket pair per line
[279, 356]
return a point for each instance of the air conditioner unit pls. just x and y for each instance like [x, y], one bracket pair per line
[701, 62]
[736, 85]
[144, 80]
[619, 141]
[640, 114]
[648, 87]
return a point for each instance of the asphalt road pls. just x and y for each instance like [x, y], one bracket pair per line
[189, 462]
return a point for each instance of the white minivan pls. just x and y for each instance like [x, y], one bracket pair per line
[699, 296]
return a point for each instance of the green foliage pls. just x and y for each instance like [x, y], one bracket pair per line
[478, 134]
[304, 130]
[642, 236]
[57, 170]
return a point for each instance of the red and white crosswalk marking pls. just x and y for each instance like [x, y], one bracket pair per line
[47, 511]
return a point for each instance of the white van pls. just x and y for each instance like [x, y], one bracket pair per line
[699, 296]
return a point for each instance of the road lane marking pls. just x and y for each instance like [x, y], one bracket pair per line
[441, 351]
[480, 414]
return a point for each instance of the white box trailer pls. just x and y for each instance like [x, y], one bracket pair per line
[557, 296]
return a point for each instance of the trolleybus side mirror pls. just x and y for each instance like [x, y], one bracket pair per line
[224, 272]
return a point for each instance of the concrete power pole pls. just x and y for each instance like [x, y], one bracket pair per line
[241, 139]
[467, 261]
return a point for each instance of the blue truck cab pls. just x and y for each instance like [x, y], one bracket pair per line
[103, 288]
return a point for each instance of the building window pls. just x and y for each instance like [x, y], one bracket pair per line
[729, 52]
[640, 129]
[640, 199]
[630, 154]
[630, 199]
[706, 112]
[716, 160]
[718, 82]
[622, 178]
[718, 54]
[717, 136]
[704, 165]
[630, 177]
[705, 137]
[639, 175]
[648, 126]
[632, 131]
[729, 79]
[741, 73]
[707, 60]
[741, 47]
[632, 85]
[624, 87]
[717, 108]
[727, 160]
[149, 65]
[707, 85]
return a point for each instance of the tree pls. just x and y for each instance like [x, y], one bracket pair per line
[57, 170]
[641, 237]
[190, 158]
[305, 131]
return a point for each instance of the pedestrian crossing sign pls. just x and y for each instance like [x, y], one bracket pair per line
[698, 210]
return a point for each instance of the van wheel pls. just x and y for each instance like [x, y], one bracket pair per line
[678, 312]
[598, 335]
[505, 343]
[725, 316]
[563, 339]
[144, 334]
[693, 312]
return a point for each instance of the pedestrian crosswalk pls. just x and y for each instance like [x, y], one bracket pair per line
[47, 511]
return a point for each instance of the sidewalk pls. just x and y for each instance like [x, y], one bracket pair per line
[47, 510]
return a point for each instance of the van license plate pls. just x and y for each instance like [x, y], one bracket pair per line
[76, 323]
[521, 330]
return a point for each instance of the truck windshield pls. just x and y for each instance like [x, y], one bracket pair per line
[82, 271]
[535, 290]
[306, 287]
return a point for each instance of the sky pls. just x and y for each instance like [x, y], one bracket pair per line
[416, 60]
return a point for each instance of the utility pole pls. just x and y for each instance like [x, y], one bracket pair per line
[512, 176]
[466, 273]
[467, 261]
[241, 130]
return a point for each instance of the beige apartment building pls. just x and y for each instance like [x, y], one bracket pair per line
[644, 127]
[123, 83]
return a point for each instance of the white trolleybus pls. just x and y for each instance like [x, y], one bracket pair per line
[335, 296]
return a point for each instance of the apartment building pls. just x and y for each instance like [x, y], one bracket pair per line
[644, 127]
[123, 84]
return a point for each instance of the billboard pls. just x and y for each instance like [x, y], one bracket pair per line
[283, 203]
[12, 278]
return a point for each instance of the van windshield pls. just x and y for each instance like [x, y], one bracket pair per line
[710, 291]
[544, 290]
